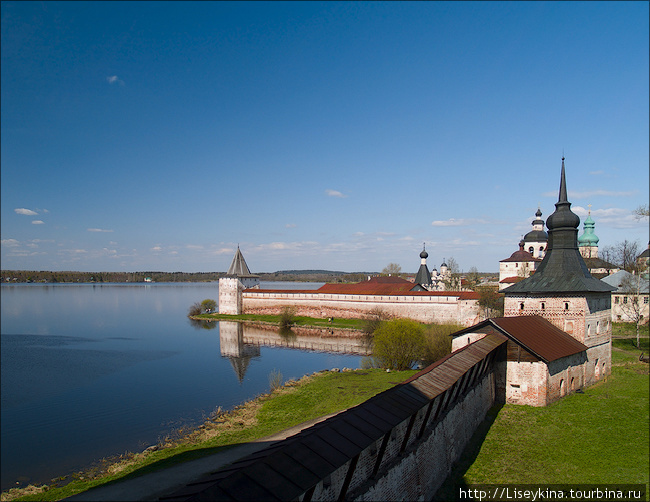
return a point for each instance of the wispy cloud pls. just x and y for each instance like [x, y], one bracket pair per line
[290, 225]
[38, 222]
[334, 193]
[460, 222]
[593, 193]
[26, 212]
[597, 173]
[114, 79]
[10, 243]
[614, 217]
[98, 230]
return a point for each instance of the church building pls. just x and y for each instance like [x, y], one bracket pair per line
[557, 321]
[536, 241]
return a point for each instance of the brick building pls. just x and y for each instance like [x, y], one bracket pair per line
[563, 292]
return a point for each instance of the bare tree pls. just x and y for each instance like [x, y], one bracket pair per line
[624, 255]
[633, 307]
[642, 211]
[392, 269]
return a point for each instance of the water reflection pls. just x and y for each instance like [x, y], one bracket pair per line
[241, 342]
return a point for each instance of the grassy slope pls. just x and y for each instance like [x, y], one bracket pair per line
[297, 402]
[600, 436]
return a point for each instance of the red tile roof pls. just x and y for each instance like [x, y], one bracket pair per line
[535, 334]
[378, 286]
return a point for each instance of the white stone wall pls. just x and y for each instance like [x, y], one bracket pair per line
[230, 298]
[427, 309]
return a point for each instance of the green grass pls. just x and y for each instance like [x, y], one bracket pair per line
[297, 402]
[299, 320]
[600, 436]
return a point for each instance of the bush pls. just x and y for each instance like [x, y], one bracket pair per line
[275, 380]
[195, 309]
[399, 344]
[373, 321]
[208, 305]
[287, 318]
[438, 341]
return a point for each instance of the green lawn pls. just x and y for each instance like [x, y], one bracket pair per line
[338, 322]
[600, 436]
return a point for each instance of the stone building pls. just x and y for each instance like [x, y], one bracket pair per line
[432, 281]
[563, 293]
[630, 298]
[536, 241]
[588, 246]
[231, 286]
[517, 268]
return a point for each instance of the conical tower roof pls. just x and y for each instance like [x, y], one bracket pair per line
[563, 269]
[238, 266]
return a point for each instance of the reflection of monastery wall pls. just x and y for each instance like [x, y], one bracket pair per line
[270, 337]
[427, 307]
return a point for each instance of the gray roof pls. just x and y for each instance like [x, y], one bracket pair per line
[563, 270]
[423, 276]
[617, 279]
[238, 266]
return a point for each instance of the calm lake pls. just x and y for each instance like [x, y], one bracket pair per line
[92, 371]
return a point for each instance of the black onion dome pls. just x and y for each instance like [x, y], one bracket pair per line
[536, 236]
[563, 269]
[424, 254]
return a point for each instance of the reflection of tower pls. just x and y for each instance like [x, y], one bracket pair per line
[231, 340]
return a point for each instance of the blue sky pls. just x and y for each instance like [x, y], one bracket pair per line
[158, 136]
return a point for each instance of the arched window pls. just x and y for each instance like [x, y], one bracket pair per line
[531, 249]
[521, 306]
[562, 389]
[566, 305]
[543, 306]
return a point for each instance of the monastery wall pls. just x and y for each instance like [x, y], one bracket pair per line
[399, 445]
[422, 308]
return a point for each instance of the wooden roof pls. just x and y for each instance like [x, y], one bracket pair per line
[534, 333]
[288, 469]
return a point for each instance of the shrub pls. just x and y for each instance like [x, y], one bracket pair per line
[287, 318]
[373, 321]
[438, 341]
[194, 309]
[399, 344]
[275, 380]
[208, 305]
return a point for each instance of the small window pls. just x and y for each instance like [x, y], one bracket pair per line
[625, 299]
[521, 306]
[516, 265]
[616, 299]
[645, 299]
[531, 249]
[543, 306]
[618, 317]
[566, 305]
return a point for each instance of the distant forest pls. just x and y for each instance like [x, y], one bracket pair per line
[16, 276]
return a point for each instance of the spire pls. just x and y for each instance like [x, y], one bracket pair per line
[563, 269]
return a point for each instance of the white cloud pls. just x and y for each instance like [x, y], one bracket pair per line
[156, 248]
[194, 246]
[461, 222]
[38, 222]
[98, 230]
[26, 212]
[596, 173]
[114, 79]
[593, 193]
[334, 193]
[290, 225]
[10, 243]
